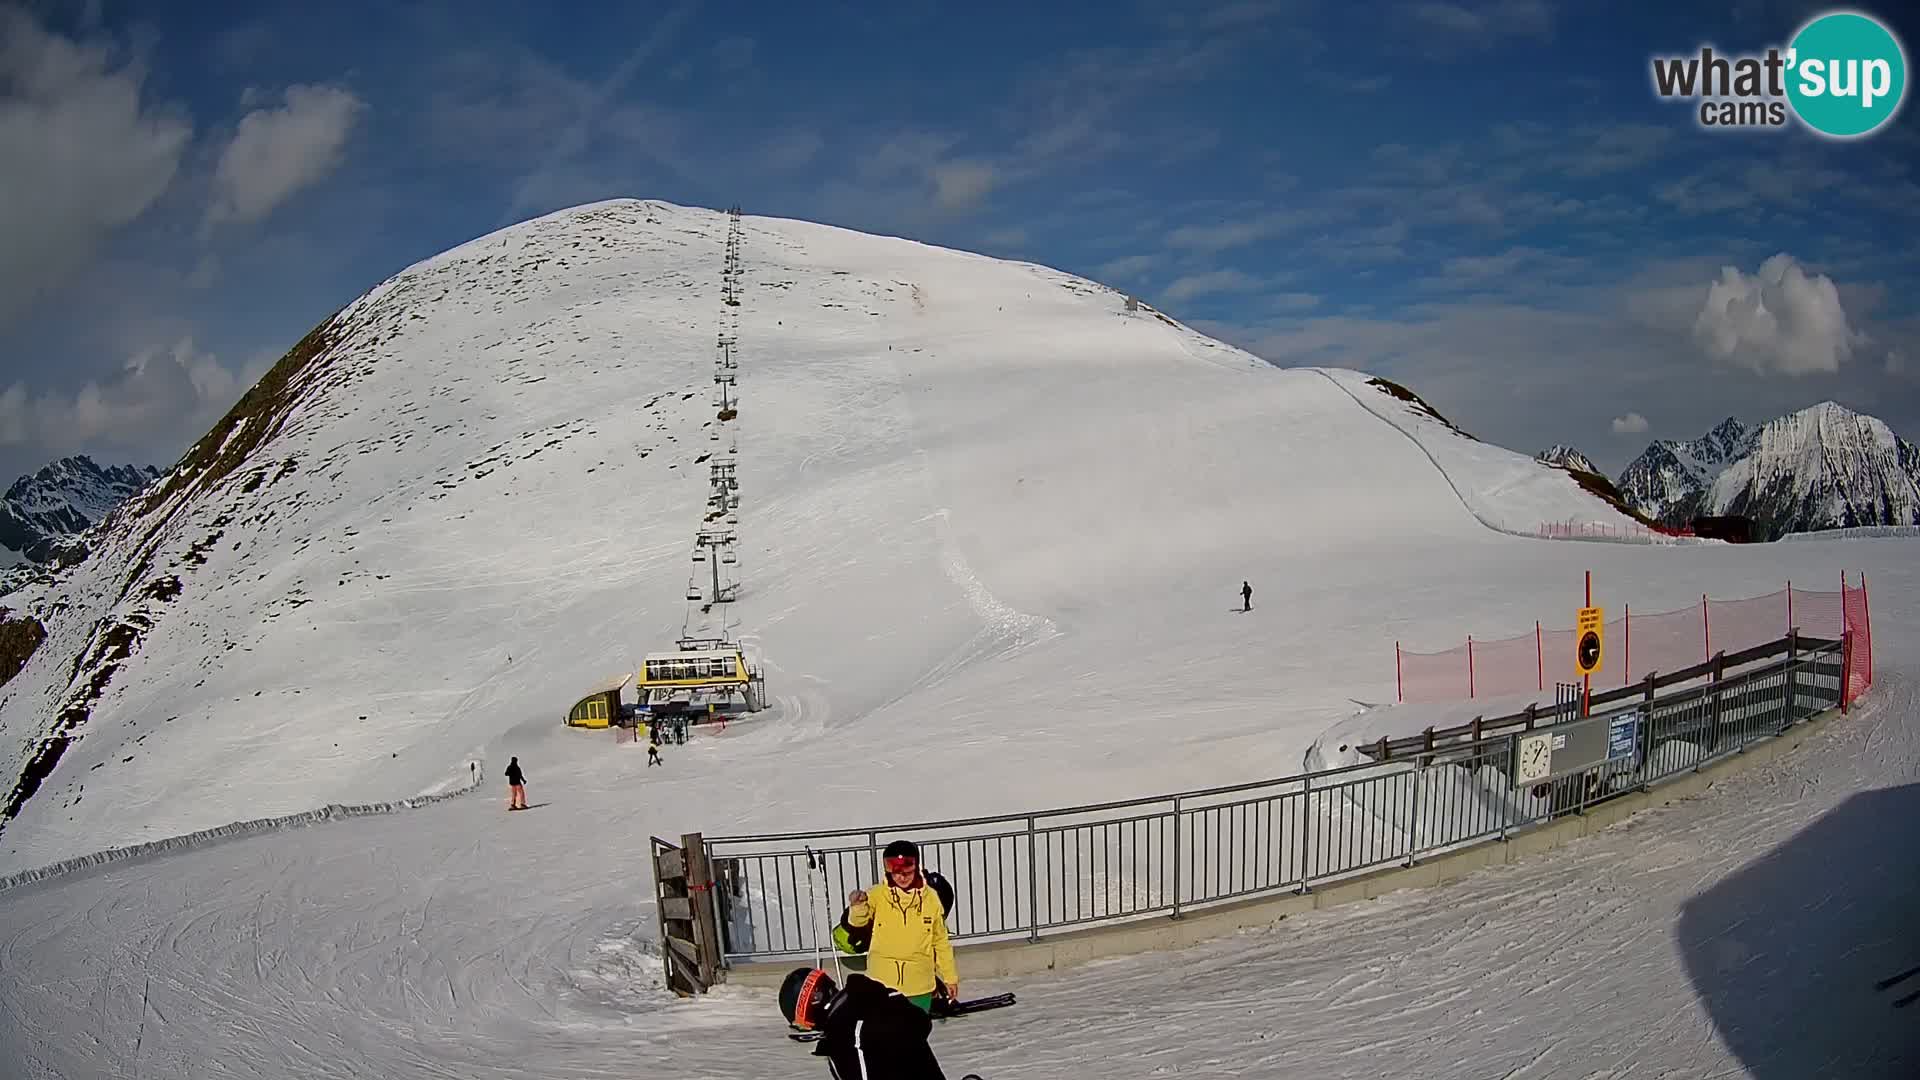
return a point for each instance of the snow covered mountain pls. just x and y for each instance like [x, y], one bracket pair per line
[44, 513]
[1568, 457]
[1669, 480]
[1823, 467]
[977, 496]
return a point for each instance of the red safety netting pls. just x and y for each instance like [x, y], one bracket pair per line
[1638, 645]
[1859, 623]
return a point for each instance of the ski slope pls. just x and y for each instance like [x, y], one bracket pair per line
[994, 528]
[1737, 934]
[977, 496]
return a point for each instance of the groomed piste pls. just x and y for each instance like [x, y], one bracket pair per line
[994, 527]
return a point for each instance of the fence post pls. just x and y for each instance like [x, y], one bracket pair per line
[1469, 667]
[1793, 676]
[1506, 756]
[1399, 685]
[1706, 626]
[1306, 823]
[1539, 659]
[1178, 864]
[873, 857]
[1413, 804]
[1789, 605]
[1713, 699]
[1033, 883]
[1626, 665]
[1846, 667]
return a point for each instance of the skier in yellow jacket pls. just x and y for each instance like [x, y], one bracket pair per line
[908, 924]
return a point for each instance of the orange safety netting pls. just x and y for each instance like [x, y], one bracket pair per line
[1642, 644]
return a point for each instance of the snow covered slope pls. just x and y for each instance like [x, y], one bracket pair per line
[1506, 491]
[977, 495]
[1820, 468]
[45, 512]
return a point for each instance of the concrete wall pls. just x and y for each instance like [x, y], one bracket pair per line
[990, 960]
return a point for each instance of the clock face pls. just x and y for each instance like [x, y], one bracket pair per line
[1535, 758]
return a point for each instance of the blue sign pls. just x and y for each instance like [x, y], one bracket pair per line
[1623, 737]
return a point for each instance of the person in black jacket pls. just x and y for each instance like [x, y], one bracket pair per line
[866, 1030]
[516, 786]
[1246, 596]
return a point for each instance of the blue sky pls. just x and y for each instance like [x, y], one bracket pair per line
[1484, 201]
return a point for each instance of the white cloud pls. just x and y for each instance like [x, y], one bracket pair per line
[159, 401]
[1214, 281]
[1631, 424]
[275, 153]
[1128, 266]
[961, 184]
[1239, 231]
[1778, 320]
[789, 150]
[84, 155]
[1481, 26]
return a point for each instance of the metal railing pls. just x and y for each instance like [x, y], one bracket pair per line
[1028, 875]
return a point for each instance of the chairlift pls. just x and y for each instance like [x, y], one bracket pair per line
[693, 592]
[699, 555]
[728, 558]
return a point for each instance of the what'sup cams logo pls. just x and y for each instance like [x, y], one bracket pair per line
[1843, 75]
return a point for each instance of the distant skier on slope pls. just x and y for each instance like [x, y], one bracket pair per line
[516, 786]
[1246, 596]
[867, 1030]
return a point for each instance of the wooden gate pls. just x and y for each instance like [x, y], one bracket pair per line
[689, 935]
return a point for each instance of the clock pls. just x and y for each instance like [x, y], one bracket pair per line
[1533, 758]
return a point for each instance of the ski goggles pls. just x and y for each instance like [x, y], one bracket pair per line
[901, 864]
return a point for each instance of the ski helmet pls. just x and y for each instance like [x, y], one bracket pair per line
[804, 996]
[901, 849]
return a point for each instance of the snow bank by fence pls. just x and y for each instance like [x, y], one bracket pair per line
[1636, 644]
[332, 812]
[1041, 873]
[1608, 533]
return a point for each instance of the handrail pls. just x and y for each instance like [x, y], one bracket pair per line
[1414, 744]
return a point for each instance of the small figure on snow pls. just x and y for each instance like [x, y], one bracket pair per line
[653, 749]
[867, 1029]
[516, 786]
[1246, 597]
[905, 925]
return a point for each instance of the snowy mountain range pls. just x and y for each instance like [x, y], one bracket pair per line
[1822, 467]
[474, 492]
[44, 514]
[1568, 457]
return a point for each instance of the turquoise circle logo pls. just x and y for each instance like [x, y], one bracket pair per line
[1849, 74]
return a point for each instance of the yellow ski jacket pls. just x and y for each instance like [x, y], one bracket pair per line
[910, 948]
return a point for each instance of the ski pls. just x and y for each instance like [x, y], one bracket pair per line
[804, 1036]
[962, 1008]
